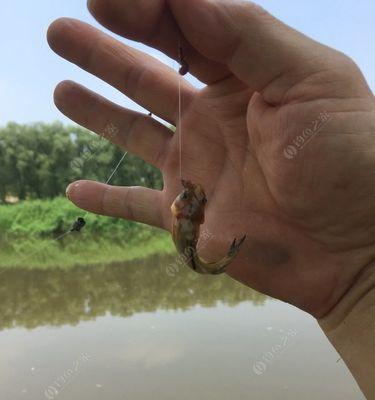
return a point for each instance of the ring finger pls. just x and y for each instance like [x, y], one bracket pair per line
[139, 134]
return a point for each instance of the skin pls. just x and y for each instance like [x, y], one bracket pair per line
[309, 218]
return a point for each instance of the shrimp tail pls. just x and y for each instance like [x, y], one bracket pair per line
[218, 267]
[235, 247]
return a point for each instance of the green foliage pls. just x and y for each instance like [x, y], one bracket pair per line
[48, 218]
[37, 162]
[40, 160]
[28, 230]
[80, 250]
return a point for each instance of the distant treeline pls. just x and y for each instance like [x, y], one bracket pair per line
[39, 160]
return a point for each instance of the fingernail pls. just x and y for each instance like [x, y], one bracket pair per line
[254, 98]
[90, 4]
[58, 98]
[60, 93]
[71, 189]
[68, 190]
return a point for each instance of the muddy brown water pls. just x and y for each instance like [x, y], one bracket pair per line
[141, 330]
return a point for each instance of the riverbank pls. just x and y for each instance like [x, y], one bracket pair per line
[29, 231]
[77, 250]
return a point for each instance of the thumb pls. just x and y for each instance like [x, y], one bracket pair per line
[260, 50]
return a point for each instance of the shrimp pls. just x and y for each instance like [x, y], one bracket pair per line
[188, 214]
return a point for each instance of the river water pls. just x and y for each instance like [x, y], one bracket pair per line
[142, 331]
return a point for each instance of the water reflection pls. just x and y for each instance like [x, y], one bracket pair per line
[32, 298]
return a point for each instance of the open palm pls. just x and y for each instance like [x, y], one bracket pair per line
[278, 138]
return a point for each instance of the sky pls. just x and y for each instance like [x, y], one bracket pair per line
[29, 70]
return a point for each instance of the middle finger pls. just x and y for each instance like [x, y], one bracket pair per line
[141, 77]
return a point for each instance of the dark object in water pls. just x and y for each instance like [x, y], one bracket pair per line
[78, 225]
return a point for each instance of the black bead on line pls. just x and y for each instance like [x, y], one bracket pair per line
[184, 66]
[78, 225]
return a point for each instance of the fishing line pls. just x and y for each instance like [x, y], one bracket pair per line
[43, 247]
[183, 70]
[108, 180]
[179, 124]
[117, 167]
[179, 107]
[80, 221]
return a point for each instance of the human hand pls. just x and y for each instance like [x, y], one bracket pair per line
[307, 212]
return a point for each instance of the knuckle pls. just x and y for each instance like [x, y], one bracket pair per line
[128, 204]
[348, 71]
[256, 10]
[135, 75]
[93, 52]
[105, 201]
[133, 127]
[347, 64]
[340, 63]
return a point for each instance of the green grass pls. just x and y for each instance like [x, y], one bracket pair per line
[49, 218]
[29, 228]
[74, 251]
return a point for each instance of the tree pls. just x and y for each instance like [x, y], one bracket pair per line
[40, 160]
